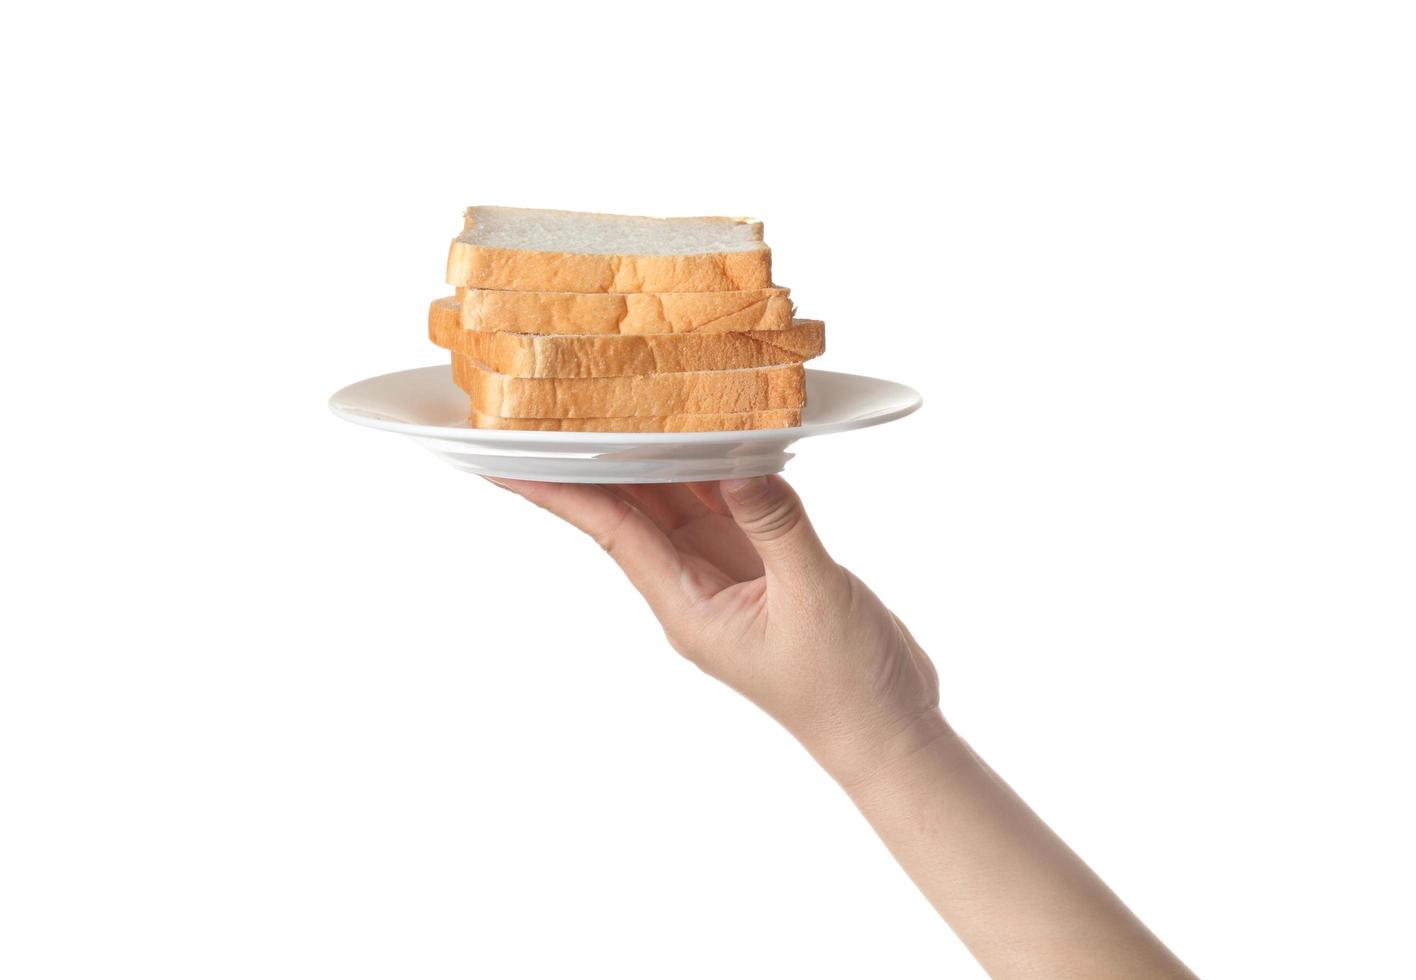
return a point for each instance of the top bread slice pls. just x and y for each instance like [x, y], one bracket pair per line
[533, 249]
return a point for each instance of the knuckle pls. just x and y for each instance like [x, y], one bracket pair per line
[780, 519]
[608, 537]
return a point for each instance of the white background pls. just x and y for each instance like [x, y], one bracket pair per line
[283, 697]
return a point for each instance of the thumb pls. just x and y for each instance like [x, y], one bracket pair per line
[770, 514]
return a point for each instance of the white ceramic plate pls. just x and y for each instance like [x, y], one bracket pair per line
[425, 405]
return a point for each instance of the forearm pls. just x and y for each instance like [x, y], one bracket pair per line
[1018, 897]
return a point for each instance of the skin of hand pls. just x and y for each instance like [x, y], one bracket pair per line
[746, 591]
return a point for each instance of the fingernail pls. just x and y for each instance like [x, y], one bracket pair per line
[493, 480]
[745, 488]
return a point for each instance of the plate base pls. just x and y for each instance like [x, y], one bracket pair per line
[426, 406]
[631, 466]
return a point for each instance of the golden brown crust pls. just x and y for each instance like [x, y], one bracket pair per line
[512, 268]
[538, 311]
[525, 355]
[748, 390]
[702, 422]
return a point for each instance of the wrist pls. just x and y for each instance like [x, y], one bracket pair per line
[863, 757]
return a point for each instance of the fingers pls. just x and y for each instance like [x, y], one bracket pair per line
[669, 505]
[771, 516]
[679, 512]
[711, 497]
[647, 558]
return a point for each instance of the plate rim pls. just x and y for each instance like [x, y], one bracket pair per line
[913, 402]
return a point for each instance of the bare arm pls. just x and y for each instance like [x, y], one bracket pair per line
[745, 590]
[1022, 902]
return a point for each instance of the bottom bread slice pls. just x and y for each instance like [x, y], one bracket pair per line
[691, 392]
[780, 418]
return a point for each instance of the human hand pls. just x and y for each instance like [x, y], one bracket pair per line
[746, 591]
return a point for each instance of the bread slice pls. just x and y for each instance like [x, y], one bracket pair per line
[522, 311]
[779, 418]
[528, 248]
[527, 355]
[744, 390]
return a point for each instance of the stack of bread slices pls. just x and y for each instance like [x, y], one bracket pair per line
[609, 323]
